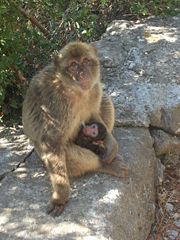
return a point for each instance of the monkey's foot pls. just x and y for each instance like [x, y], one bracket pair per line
[117, 168]
[55, 209]
[120, 168]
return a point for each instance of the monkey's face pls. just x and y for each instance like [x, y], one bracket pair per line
[80, 65]
[90, 130]
[95, 130]
[81, 71]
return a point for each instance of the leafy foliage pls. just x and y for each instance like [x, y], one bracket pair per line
[157, 7]
[31, 30]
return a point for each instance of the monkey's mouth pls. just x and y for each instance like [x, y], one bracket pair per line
[83, 82]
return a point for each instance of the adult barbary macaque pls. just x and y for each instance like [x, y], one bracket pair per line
[60, 98]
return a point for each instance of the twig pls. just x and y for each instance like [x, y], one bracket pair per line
[35, 22]
[19, 75]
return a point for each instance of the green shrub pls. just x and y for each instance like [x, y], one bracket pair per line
[29, 38]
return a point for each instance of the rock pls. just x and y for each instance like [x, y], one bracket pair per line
[176, 216]
[141, 75]
[160, 172]
[101, 206]
[172, 234]
[165, 143]
[169, 207]
[167, 119]
[11, 155]
[177, 223]
[127, 220]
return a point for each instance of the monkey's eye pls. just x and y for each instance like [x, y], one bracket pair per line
[86, 61]
[94, 130]
[73, 65]
[94, 134]
[94, 126]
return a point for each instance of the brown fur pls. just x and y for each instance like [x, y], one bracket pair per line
[54, 108]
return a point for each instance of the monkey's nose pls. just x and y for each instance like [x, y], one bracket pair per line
[87, 131]
[81, 74]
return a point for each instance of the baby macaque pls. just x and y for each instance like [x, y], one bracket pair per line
[92, 136]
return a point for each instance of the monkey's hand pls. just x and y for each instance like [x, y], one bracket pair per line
[98, 142]
[55, 209]
[111, 147]
[119, 168]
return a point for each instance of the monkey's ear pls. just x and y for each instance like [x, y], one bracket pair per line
[94, 48]
[57, 59]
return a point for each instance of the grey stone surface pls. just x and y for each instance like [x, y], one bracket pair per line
[164, 143]
[140, 70]
[101, 206]
[169, 207]
[177, 223]
[13, 146]
[173, 234]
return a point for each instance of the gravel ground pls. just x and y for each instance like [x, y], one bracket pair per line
[167, 225]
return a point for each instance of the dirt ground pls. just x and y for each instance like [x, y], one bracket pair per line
[167, 225]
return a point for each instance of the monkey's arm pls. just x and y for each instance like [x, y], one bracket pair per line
[112, 148]
[101, 151]
[110, 142]
[107, 117]
[107, 112]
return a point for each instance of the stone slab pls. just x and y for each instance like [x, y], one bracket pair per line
[101, 206]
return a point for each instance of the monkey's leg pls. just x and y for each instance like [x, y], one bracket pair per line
[117, 168]
[81, 160]
[107, 112]
[55, 161]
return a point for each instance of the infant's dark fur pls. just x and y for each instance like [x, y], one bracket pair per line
[95, 144]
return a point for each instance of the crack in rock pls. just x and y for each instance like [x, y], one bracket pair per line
[3, 175]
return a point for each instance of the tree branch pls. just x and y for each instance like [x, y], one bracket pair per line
[35, 22]
[19, 75]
